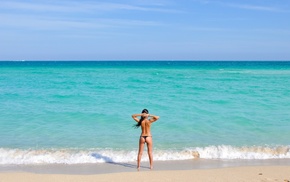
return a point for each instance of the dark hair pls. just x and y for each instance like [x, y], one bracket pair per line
[142, 118]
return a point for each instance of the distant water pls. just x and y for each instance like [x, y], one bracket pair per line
[80, 112]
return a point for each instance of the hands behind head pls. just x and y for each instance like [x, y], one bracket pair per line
[145, 115]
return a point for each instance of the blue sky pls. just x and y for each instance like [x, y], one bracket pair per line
[145, 30]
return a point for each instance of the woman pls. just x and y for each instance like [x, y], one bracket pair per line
[146, 136]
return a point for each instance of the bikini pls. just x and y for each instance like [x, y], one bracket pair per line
[145, 137]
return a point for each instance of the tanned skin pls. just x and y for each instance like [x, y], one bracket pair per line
[145, 131]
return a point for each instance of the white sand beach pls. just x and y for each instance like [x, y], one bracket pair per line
[250, 173]
[277, 170]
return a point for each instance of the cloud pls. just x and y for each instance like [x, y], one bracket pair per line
[42, 22]
[58, 15]
[241, 6]
[77, 6]
[254, 7]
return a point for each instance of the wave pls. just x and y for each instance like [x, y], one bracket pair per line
[72, 156]
[253, 152]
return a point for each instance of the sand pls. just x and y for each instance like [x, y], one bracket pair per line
[190, 170]
[252, 173]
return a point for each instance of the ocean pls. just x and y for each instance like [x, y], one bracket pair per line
[75, 112]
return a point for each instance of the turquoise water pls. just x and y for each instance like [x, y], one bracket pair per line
[52, 112]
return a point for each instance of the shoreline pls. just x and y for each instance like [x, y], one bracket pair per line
[249, 174]
[115, 167]
[190, 170]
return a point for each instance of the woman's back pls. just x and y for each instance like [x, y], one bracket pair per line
[146, 136]
[145, 127]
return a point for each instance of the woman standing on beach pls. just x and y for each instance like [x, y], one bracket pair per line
[146, 136]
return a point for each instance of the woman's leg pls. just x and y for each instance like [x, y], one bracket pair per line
[141, 147]
[149, 142]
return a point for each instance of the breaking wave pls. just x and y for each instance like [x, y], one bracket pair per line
[72, 156]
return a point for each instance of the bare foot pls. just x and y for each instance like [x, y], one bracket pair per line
[138, 168]
[151, 167]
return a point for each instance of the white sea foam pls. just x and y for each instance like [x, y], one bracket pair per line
[53, 156]
[254, 152]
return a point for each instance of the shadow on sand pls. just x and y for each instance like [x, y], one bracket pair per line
[110, 161]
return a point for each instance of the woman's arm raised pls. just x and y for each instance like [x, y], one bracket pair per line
[153, 118]
[134, 116]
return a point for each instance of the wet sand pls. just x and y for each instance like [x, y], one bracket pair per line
[189, 170]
